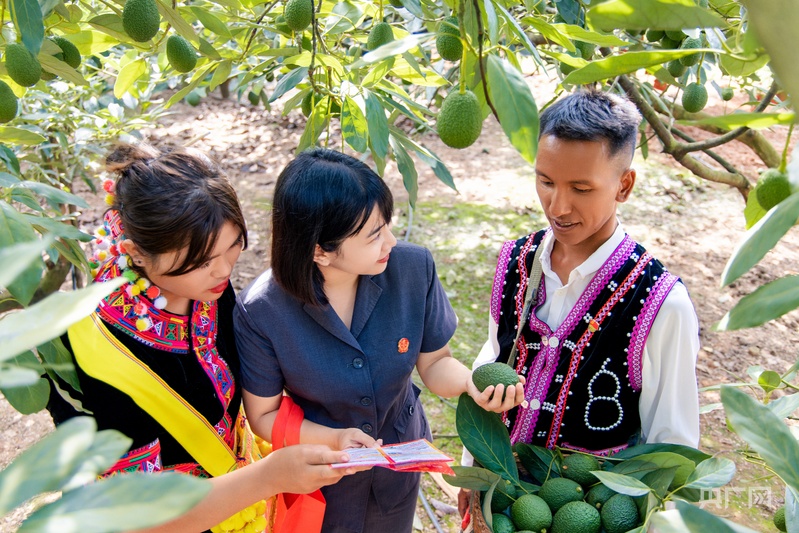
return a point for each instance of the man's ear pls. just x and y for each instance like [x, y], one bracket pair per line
[627, 182]
[321, 257]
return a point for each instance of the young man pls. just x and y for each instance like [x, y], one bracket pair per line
[609, 351]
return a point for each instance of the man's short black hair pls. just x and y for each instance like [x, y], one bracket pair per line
[590, 115]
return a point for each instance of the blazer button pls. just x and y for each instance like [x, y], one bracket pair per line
[357, 362]
[367, 428]
[366, 401]
[410, 409]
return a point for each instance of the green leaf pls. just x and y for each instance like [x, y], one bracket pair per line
[52, 194]
[753, 211]
[652, 14]
[737, 67]
[61, 69]
[775, 22]
[636, 468]
[407, 168]
[14, 377]
[344, 17]
[27, 17]
[105, 450]
[753, 121]
[673, 522]
[688, 452]
[615, 65]
[377, 125]
[761, 238]
[578, 33]
[29, 399]
[221, 74]
[540, 462]
[768, 302]
[15, 258]
[57, 358]
[354, 127]
[49, 318]
[702, 521]
[128, 76]
[769, 381]
[711, 473]
[93, 42]
[486, 438]
[515, 105]
[288, 82]
[622, 484]
[43, 466]
[138, 500]
[472, 478]
[58, 228]
[111, 25]
[659, 481]
[210, 21]
[390, 49]
[684, 465]
[784, 406]
[14, 229]
[315, 125]
[764, 432]
[14, 135]
[491, 20]
[178, 23]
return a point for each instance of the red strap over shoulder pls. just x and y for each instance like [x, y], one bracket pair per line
[286, 430]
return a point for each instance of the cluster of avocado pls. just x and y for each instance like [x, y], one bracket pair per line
[574, 503]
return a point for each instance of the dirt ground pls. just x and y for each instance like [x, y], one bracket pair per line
[690, 225]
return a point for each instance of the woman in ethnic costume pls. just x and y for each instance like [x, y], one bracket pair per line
[175, 230]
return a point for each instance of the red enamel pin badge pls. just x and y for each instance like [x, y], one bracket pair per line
[403, 344]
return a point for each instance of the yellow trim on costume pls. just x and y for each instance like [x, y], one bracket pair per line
[103, 357]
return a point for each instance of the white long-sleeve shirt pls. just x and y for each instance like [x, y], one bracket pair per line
[669, 401]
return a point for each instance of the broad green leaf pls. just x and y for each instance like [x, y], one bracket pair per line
[314, 126]
[407, 169]
[487, 514]
[775, 22]
[288, 82]
[622, 484]
[540, 462]
[570, 11]
[14, 377]
[178, 23]
[741, 68]
[784, 406]
[327, 60]
[58, 228]
[138, 500]
[581, 34]
[765, 432]
[428, 157]
[13, 135]
[684, 465]
[428, 78]
[27, 17]
[378, 72]
[615, 65]
[29, 399]
[92, 42]
[15, 258]
[61, 69]
[550, 32]
[753, 121]
[711, 473]
[515, 105]
[54, 195]
[106, 449]
[208, 50]
[769, 381]
[353, 125]
[210, 21]
[57, 358]
[221, 74]
[197, 78]
[636, 468]
[486, 438]
[472, 478]
[344, 17]
[659, 481]
[652, 14]
[43, 466]
[761, 238]
[378, 125]
[8, 180]
[393, 48]
[49, 318]
[491, 21]
[110, 24]
[128, 76]
[753, 211]
[701, 521]
[14, 229]
[672, 521]
[768, 302]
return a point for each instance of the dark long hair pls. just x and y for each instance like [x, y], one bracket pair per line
[321, 197]
[172, 200]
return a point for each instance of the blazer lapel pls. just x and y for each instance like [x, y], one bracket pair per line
[368, 294]
[328, 319]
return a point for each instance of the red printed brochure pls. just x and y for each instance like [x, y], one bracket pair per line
[412, 456]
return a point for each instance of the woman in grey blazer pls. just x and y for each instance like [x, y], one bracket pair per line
[340, 323]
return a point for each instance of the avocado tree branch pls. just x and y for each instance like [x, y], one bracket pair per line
[480, 57]
[730, 135]
[256, 28]
[713, 155]
[670, 144]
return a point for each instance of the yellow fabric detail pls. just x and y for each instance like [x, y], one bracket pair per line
[103, 357]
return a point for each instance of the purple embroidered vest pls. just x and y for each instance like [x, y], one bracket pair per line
[584, 378]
